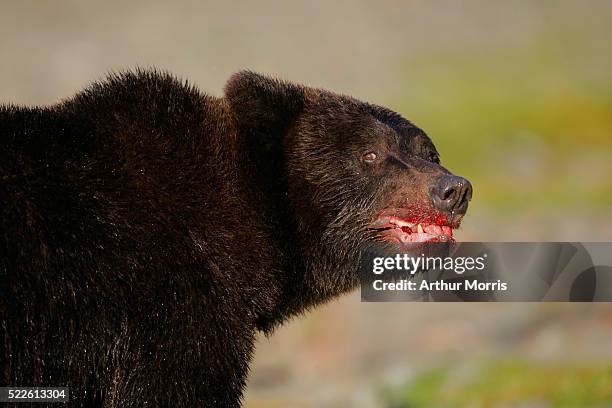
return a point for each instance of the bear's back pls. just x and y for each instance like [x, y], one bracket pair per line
[108, 171]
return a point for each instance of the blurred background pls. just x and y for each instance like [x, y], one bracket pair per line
[517, 97]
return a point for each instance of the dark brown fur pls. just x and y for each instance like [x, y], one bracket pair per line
[149, 230]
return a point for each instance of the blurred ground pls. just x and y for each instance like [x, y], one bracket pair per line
[516, 95]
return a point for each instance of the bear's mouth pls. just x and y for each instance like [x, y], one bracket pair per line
[408, 230]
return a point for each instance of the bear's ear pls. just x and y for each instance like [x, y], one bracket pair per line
[262, 104]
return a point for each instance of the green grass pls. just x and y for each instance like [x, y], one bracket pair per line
[509, 384]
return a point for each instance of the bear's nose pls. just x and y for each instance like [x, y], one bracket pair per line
[451, 194]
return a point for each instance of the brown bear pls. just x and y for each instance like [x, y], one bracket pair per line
[148, 230]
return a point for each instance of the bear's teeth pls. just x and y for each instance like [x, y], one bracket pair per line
[419, 229]
[401, 223]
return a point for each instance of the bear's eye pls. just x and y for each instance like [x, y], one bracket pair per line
[369, 157]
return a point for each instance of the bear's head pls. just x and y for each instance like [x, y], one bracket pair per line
[343, 172]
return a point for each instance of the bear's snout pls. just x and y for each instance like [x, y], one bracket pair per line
[451, 194]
